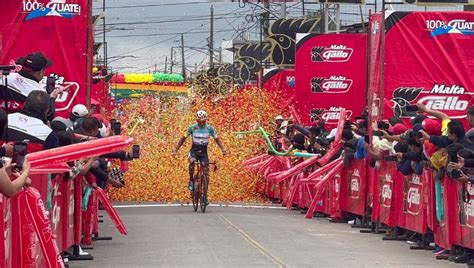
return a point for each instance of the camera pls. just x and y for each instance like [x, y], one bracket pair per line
[50, 84]
[391, 158]
[420, 135]
[411, 108]
[383, 125]
[136, 151]
[19, 152]
[116, 127]
[377, 133]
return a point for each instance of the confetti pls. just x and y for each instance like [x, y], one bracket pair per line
[157, 176]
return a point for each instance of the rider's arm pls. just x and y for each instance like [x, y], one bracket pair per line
[219, 143]
[213, 133]
[183, 139]
[180, 143]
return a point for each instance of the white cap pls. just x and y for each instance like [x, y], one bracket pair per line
[279, 117]
[332, 133]
[80, 110]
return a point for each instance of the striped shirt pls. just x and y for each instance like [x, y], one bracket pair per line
[201, 135]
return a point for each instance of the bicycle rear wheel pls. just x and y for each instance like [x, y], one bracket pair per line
[203, 200]
[196, 194]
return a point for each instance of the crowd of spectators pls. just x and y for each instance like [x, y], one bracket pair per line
[431, 140]
[28, 116]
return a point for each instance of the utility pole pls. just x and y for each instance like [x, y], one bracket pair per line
[211, 40]
[283, 10]
[183, 68]
[155, 67]
[171, 62]
[166, 64]
[302, 4]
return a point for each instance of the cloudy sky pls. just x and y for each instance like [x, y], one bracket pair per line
[140, 33]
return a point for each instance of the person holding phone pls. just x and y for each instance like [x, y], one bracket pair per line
[21, 84]
[9, 170]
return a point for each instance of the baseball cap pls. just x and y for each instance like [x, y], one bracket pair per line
[431, 126]
[398, 129]
[34, 61]
[80, 110]
[279, 117]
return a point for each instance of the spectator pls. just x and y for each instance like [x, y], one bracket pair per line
[78, 113]
[8, 187]
[31, 123]
[470, 120]
[21, 84]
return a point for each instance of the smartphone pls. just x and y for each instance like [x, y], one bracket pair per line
[136, 151]
[50, 84]
[420, 135]
[411, 108]
[19, 152]
[391, 158]
[117, 127]
[382, 125]
[377, 133]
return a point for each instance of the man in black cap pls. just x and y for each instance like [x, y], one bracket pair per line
[27, 80]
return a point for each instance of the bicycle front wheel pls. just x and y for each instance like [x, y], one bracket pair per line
[203, 200]
[196, 194]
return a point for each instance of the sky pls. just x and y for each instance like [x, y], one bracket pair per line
[145, 30]
[141, 33]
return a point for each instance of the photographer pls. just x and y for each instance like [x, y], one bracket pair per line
[21, 84]
[31, 124]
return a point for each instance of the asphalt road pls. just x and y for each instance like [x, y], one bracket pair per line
[244, 237]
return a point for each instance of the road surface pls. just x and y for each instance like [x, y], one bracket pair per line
[244, 237]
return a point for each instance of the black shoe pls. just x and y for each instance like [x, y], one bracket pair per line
[453, 257]
[470, 263]
[463, 258]
[443, 256]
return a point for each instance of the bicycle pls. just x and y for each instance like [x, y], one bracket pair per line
[200, 186]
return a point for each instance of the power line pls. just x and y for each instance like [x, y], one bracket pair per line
[156, 5]
[224, 16]
[135, 35]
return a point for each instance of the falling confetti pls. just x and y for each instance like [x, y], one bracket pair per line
[157, 176]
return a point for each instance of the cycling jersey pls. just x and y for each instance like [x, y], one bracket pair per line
[201, 135]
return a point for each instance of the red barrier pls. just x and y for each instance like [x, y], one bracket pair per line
[68, 212]
[6, 230]
[353, 188]
[465, 215]
[390, 190]
[415, 199]
[37, 244]
[102, 197]
[89, 217]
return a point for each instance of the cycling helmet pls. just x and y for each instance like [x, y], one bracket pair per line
[201, 115]
[80, 110]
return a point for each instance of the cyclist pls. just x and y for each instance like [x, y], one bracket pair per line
[200, 132]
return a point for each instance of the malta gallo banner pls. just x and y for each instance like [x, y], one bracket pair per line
[330, 75]
[428, 59]
[58, 29]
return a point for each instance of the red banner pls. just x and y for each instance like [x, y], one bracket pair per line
[281, 82]
[428, 59]
[37, 241]
[58, 29]
[330, 76]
